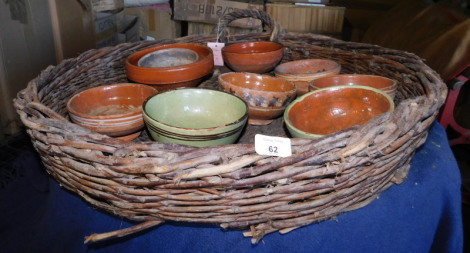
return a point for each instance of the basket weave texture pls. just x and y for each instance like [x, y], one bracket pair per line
[232, 185]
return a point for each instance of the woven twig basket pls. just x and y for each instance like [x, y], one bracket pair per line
[232, 185]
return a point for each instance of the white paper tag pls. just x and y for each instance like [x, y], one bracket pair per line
[272, 145]
[217, 51]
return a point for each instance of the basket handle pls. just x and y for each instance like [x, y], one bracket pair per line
[265, 18]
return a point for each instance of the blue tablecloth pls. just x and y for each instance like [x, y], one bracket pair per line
[423, 214]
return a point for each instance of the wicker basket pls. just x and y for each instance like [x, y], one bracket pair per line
[232, 185]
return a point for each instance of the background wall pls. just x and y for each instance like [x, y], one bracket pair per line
[33, 35]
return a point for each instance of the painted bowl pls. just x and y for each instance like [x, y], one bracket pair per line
[382, 83]
[303, 72]
[171, 77]
[332, 109]
[114, 110]
[196, 117]
[267, 96]
[254, 56]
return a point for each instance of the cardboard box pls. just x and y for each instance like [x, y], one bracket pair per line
[129, 31]
[156, 22]
[106, 31]
[209, 11]
[107, 5]
[195, 28]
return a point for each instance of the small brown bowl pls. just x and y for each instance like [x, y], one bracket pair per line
[382, 83]
[114, 110]
[171, 77]
[266, 96]
[254, 57]
[332, 109]
[303, 72]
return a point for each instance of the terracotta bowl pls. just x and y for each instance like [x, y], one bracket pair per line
[114, 110]
[255, 56]
[303, 72]
[384, 84]
[195, 117]
[267, 96]
[332, 109]
[171, 77]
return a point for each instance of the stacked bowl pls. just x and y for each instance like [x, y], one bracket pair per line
[382, 83]
[267, 97]
[170, 66]
[303, 72]
[196, 117]
[328, 110]
[114, 110]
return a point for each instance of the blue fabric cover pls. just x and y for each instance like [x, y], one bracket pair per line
[421, 215]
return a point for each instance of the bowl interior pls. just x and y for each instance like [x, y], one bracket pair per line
[252, 47]
[195, 108]
[169, 57]
[110, 100]
[201, 51]
[257, 82]
[308, 66]
[378, 82]
[332, 109]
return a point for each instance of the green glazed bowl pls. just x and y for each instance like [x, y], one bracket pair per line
[196, 117]
[333, 109]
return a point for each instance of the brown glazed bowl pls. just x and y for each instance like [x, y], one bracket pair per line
[266, 96]
[171, 77]
[303, 72]
[384, 84]
[332, 109]
[254, 57]
[114, 110]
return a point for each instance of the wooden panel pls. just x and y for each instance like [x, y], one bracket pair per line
[26, 48]
[318, 19]
[73, 28]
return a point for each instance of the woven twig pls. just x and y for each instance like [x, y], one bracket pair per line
[232, 185]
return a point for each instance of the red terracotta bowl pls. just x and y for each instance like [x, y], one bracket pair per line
[254, 57]
[332, 109]
[303, 72]
[165, 78]
[266, 96]
[114, 110]
[385, 84]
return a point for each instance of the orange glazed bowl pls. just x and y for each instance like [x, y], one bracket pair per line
[114, 110]
[173, 75]
[254, 56]
[382, 83]
[267, 96]
[329, 110]
[303, 72]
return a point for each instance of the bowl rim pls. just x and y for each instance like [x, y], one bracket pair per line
[78, 114]
[228, 47]
[293, 90]
[149, 50]
[277, 71]
[394, 83]
[338, 87]
[241, 119]
[164, 50]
